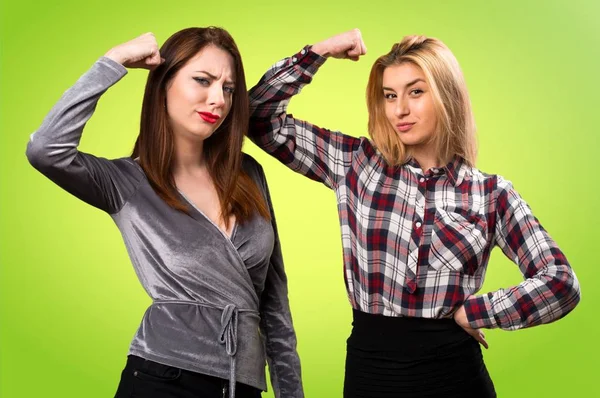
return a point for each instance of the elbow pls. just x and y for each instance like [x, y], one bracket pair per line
[573, 296]
[567, 292]
[36, 153]
[44, 155]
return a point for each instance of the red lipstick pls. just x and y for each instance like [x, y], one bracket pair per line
[209, 117]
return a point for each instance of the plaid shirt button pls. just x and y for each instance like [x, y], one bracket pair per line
[411, 286]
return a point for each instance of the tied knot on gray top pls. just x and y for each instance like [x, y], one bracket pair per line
[228, 336]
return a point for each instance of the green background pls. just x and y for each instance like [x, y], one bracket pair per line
[70, 301]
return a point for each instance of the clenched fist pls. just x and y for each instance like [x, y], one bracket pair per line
[141, 52]
[349, 45]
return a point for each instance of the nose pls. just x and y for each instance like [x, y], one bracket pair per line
[402, 108]
[216, 97]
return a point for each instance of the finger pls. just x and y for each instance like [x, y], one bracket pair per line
[478, 335]
[138, 65]
[361, 42]
[352, 39]
[355, 53]
[154, 58]
[482, 340]
[484, 343]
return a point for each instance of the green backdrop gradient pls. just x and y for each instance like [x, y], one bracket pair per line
[70, 301]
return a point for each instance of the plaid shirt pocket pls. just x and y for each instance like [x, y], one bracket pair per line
[458, 240]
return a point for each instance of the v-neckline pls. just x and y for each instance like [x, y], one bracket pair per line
[224, 233]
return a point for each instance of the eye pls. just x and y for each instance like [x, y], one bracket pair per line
[229, 89]
[389, 96]
[416, 92]
[202, 81]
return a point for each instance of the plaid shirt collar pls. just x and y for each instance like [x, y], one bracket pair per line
[455, 170]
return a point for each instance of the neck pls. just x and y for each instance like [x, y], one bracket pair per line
[426, 157]
[189, 156]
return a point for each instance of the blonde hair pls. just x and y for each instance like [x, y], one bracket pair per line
[455, 130]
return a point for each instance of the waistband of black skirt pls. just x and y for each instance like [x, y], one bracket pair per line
[380, 332]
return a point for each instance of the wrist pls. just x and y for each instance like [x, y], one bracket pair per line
[321, 49]
[460, 316]
[115, 56]
[480, 312]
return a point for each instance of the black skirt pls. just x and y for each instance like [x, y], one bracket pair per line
[404, 357]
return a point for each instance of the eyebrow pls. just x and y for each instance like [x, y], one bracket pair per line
[214, 77]
[408, 84]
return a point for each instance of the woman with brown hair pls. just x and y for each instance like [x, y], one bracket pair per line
[195, 215]
[418, 221]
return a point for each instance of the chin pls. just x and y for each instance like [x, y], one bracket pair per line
[413, 139]
[411, 142]
[202, 133]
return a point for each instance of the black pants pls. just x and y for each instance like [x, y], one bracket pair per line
[142, 378]
[391, 357]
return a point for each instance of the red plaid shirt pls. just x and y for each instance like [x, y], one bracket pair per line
[416, 243]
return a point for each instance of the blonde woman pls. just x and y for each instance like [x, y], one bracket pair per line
[418, 221]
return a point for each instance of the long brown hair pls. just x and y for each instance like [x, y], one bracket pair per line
[238, 194]
[455, 131]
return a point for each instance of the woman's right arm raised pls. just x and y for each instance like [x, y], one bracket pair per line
[315, 152]
[52, 149]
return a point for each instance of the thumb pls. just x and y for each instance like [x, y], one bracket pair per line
[363, 47]
[154, 59]
[356, 50]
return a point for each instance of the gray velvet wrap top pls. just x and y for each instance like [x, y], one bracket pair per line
[220, 304]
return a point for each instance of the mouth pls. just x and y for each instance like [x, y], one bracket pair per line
[403, 127]
[209, 117]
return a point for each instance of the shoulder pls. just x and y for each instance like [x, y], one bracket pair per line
[254, 169]
[501, 189]
[129, 167]
[251, 165]
[495, 182]
[365, 148]
[249, 161]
